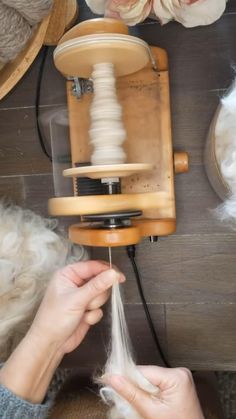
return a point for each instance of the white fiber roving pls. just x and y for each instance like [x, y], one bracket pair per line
[30, 252]
[189, 13]
[120, 361]
[225, 149]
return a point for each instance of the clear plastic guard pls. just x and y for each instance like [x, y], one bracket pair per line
[55, 128]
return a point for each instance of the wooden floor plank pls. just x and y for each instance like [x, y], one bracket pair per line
[12, 188]
[195, 202]
[20, 152]
[38, 189]
[202, 336]
[190, 268]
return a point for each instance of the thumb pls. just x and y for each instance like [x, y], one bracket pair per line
[99, 285]
[144, 403]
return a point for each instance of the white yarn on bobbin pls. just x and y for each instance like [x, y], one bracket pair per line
[120, 362]
[107, 132]
[15, 32]
[32, 10]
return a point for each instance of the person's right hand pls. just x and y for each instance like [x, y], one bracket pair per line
[177, 397]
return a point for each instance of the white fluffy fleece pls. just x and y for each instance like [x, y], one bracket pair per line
[30, 252]
[225, 143]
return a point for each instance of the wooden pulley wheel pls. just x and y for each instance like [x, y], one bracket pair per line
[76, 57]
[100, 25]
[157, 227]
[86, 235]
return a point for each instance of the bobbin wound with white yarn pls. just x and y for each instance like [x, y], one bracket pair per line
[107, 131]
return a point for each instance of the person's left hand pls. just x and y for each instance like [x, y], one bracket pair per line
[72, 303]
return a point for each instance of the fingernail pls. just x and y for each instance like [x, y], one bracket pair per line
[116, 276]
[120, 276]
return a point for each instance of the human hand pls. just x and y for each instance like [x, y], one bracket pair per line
[177, 397]
[72, 303]
[70, 306]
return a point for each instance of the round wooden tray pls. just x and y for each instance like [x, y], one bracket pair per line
[51, 29]
[211, 165]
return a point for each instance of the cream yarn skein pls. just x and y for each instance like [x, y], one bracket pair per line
[15, 32]
[18, 20]
[33, 11]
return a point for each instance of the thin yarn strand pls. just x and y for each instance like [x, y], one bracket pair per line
[120, 361]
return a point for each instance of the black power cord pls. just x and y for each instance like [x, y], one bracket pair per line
[37, 102]
[131, 254]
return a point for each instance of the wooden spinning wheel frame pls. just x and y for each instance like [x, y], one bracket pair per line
[143, 93]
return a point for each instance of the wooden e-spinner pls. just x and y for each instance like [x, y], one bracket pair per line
[120, 135]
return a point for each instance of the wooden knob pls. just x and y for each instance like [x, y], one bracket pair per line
[181, 162]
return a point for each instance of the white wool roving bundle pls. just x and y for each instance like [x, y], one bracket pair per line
[30, 252]
[188, 12]
[18, 20]
[120, 361]
[225, 150]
